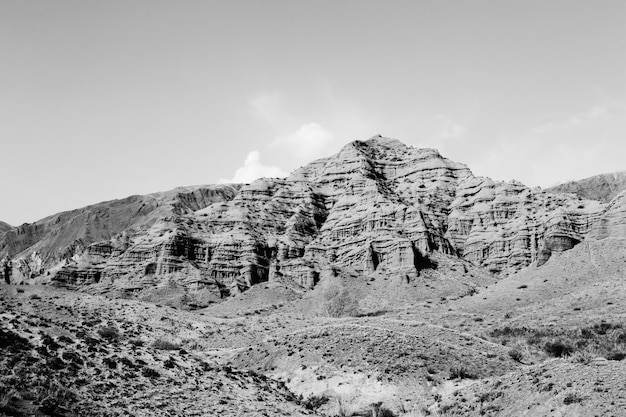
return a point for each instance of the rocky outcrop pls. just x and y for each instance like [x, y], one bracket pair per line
[612, 222]
[377, 207]
[64, 236]
[507, 226]
[602, 187]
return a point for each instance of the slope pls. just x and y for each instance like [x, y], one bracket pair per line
[59, 237]
[69, 353]
[603, 187]
[5, 227]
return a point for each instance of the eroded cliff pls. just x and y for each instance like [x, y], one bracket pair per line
[376, 207]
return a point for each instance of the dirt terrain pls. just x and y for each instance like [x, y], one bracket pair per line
[546, 349]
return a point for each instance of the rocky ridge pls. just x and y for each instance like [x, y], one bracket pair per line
[57, 239]
[602, 187]
[5, 227]
[378, 207]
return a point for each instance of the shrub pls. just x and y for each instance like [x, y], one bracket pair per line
[583, 357]
[461, 372]
[572, 398]
[109, 332]
[384, 412]
[315, 401]
[339, 302]
[164, 344]
[150, 373]
[55, 399]
[616, 356]
[516, 355]
[558, 349]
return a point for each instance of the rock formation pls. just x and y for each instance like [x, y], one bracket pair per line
[612, 221]
[57, 239]
[5, 227]
[378, 206]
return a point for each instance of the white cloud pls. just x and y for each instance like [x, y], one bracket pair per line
[450, 129]
[252, 169]
[310, 141]
[269, 109]
[576, 121]
[574, 147]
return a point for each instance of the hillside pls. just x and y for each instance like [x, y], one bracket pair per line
[59, 237]
[384, 280]
[377, 208]
[603, 187]
[4, 227]
[67, 354]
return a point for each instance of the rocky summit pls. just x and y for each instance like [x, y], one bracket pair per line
[377, 207]
[384, 280]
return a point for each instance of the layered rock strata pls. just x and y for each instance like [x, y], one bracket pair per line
[376, 207]
[4, 227]
[612, 222]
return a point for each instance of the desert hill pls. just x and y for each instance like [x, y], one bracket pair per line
[384, 280]
[67, 354]
[563, 320]
[4, 227]
[603, 187]
[59, 237]
[377, 208]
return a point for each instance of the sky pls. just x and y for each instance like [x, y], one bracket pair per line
[100, 100]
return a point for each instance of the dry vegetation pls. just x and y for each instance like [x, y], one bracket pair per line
[331, 352]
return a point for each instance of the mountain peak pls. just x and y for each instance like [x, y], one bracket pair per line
[379, 139]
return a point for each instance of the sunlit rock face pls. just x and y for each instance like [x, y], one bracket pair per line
[603, 187]
[507, 226]
[612, 221]
[378, 206]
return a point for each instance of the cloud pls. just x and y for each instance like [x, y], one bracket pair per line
[297, 133]
[269, 108]
[308, 142]
[449, 129]
[573, 147]
[593, 115]
[252, 169]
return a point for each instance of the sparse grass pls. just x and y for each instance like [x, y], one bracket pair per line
[55, 399]
[558, 349]
[516, 355]
[339, 302]
[573, 398]
[583, 357]
[460, 372]
[602, 339]
[315, 401]
[164, 344]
